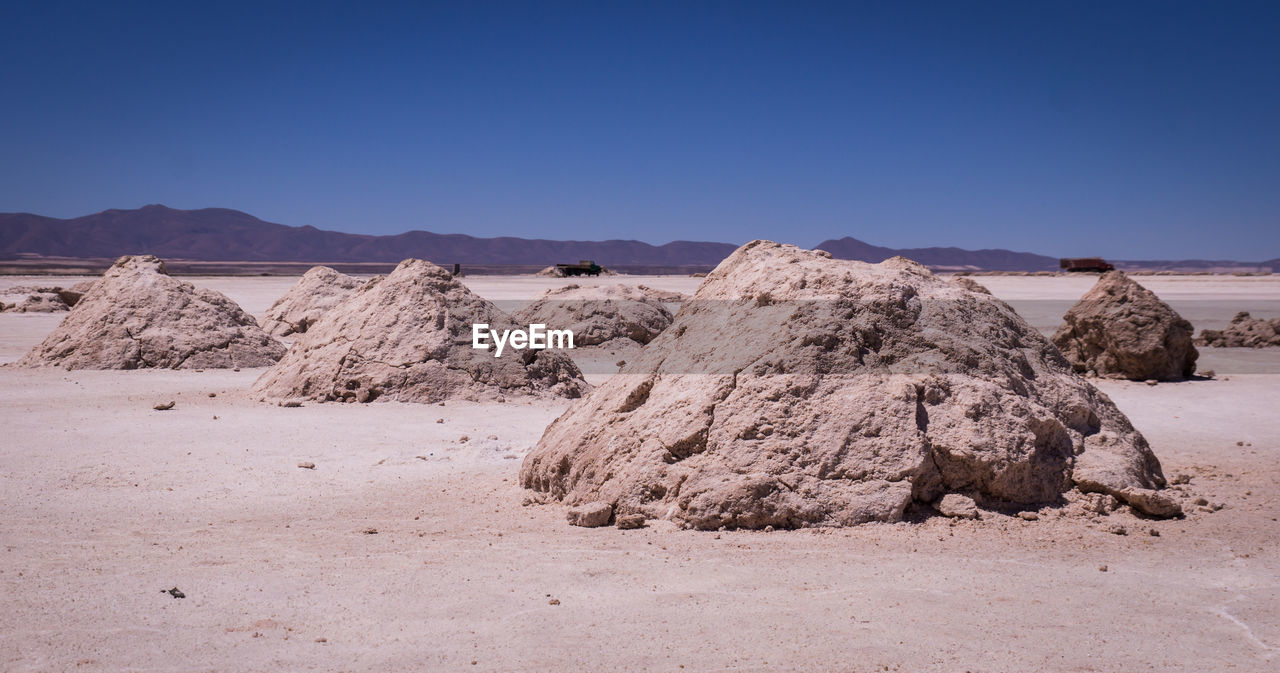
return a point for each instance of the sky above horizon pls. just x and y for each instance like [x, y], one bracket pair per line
[1135, 130]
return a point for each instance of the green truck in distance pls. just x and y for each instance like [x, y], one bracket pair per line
[584, 267]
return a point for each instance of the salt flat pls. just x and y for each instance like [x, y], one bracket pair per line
[107, 503]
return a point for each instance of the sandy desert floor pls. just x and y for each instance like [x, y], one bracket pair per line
[108, 503]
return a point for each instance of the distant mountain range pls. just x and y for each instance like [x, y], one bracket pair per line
[220, 234]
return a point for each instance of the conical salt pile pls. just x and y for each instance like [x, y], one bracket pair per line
[798, 390]
[138, 316]
[408, 337]
[317, 292]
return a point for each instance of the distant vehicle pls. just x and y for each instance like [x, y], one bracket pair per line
[584, 267]
[1081, 264]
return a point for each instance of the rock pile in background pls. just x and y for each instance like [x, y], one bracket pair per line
[1120, 329]
[407, 337]
[318, 291]
[1245, 331]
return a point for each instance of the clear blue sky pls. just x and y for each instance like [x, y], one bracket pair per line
[1134, 130]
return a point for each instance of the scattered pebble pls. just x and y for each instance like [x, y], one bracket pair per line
[213, 394]
[1117, 529]
[630, 521]
[464, 438]
[291, 404]
[553, 601]
[164, 407]
[307, 465]
[1154, 533]
[322, 640]
[1028, 516]
[1102, 568]
[1151, 382]
[370, 531]
[1201, 501]
[175, 592]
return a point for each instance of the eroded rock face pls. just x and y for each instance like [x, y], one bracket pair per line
[318, 291]
[798, 390]
[1120, 329]
[407, 337]
[138, 316]
[1245, 331]
[599, 313]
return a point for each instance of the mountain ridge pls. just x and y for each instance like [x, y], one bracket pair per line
[224, 234]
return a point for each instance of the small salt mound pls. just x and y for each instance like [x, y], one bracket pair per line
[318, 291]
[137, 316]
[970, 284]
[43, 299]
[599, 313]
[1245, 331]
[407, 337]
[798, 390]
[551, 272]
[1120, 329]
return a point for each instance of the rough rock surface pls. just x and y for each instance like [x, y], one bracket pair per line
[137, 316]
[598, 313]
[798, 390]
[1120, 329]
[407, 337]
[318, 291]
[1245, 331]
[590, 515]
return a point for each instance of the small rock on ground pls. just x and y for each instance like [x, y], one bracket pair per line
[590, 515]
[956, 505]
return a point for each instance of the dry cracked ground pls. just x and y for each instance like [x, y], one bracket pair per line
[108, 504]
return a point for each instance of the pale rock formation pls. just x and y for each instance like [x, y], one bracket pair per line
[317, 292]
[408, 337]
[797, 390]
[138, 316]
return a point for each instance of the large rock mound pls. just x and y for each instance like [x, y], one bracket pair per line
[599, 313]
[138, 316]
[407, 337]
[1245, 331]
[317, 292]
[798, 390]
[1120, 329]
